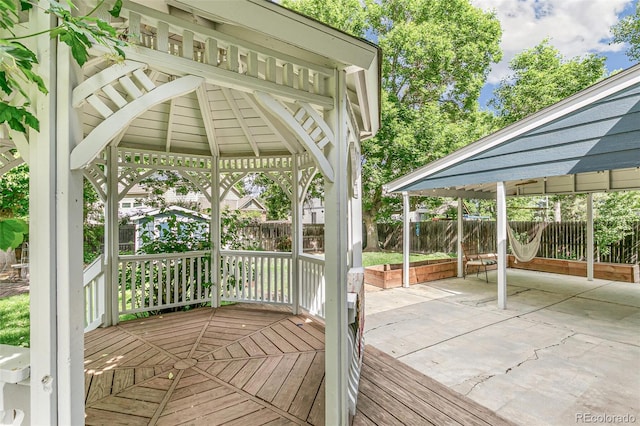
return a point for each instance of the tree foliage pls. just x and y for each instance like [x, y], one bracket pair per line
[541, 76]
[436, 57]
[18, 73]
[616, 213]
[627, 30]
[17, 60]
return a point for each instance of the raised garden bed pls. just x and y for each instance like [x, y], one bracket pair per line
[605, 271]
[389, 276]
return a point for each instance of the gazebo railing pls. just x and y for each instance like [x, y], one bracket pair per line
[256, 276]
[159, 281]
[153, 282]
[94, 286]
[312, 285]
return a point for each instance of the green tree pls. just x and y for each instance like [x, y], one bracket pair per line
[436, 56]
[17, 71]
[615, 214]
[14, 193]
[627, 30]
[541, 76]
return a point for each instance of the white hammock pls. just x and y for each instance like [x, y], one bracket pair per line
[524, 252]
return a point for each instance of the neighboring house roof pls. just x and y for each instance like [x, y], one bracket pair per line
[589, 142]
[177, 210]
[250, 203]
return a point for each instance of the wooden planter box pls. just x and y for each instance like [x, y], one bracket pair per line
[604, 271]
[389, 276]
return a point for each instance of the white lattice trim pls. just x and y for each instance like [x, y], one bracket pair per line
[102, 134]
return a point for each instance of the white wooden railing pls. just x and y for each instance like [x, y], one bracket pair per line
[158, 31]
[94, 282]
[256, 276]
[166, 280]
[311, 282]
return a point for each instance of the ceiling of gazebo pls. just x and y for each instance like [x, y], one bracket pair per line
[206, 78]
[240, 126]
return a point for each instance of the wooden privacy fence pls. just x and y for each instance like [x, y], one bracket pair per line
[276, 236]
[562, 240]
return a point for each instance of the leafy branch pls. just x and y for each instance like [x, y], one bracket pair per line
[17, 60]
[17, 72]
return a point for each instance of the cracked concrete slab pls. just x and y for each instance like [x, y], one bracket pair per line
[564, 346]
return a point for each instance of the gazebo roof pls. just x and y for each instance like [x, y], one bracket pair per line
[260, 48]
[589, 142]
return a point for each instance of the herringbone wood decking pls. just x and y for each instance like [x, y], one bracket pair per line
[243, 366]
[224, 366]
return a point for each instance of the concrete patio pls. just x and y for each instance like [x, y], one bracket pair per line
[565, 351]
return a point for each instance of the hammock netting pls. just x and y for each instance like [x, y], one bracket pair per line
[524, 252]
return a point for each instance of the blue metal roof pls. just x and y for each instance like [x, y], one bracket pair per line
[596, 130]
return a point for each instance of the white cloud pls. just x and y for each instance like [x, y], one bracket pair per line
[574, 27]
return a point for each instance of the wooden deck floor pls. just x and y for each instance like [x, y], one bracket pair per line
[228, 366]
[392, 393]
[242, 366]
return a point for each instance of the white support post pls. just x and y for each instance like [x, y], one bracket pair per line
[590, 237]
[336, 192]
[214, 228]
[296, 234]
[42, 229]
[112, 239]
[69, 246]
[405, 239]
[356, 224]
[501, 225]
[460, 238]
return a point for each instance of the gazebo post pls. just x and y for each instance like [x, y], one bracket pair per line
[111, 241]
[405, 239]
[43, 306]
[590, 236]
[214, 232]
[296, 233]
[501, 231]
[69, 245]
[460, 237]
[356, 222]
[336, 353]
[55, 209]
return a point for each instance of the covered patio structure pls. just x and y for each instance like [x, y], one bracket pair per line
[589, 142]
[214, 91]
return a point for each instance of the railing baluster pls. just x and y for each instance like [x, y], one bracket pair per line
[162, 39]
[183, 279]
[187, 44]
[211, 52]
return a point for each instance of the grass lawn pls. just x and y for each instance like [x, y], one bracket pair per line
[384, 258]
[14, 320]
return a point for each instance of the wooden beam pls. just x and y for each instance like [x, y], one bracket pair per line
[273, 126]
[102, 134]
[21, 142]
[104, 78]
[172, 106]
[236, 111]
[207, 118]
[289, 120]
[175, 65]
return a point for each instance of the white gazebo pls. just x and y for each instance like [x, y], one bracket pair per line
[589, 142]
[214, 90]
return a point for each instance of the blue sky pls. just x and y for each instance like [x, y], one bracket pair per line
[574, 27]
